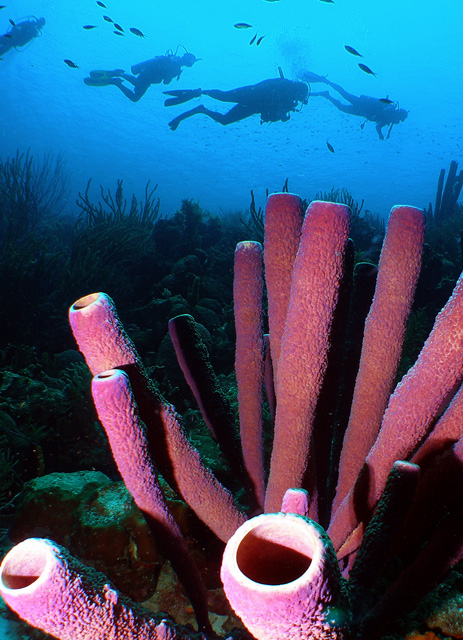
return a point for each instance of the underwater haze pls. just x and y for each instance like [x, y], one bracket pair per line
[413, 49]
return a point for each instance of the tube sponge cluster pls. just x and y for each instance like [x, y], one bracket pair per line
[301, 561]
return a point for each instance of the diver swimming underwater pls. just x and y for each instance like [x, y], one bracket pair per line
[382, 111]
[157, 70]
[21, 33]
[274, 99]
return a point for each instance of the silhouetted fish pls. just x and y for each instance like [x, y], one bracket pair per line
[331, 1]
[259, 41]
[137, 32]
[118, 33]
[2, 6]
[118, 27]
[242, 25]
[330, 147]
[6, 35]
[364, 67]
[108, 19]
[100, 4]
[353, 51]
[89, 26]
[12, 22]
[386, 101]
[253, 39]
[71, 64]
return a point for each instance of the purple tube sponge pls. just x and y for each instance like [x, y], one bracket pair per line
[51, 590]
[281, 576]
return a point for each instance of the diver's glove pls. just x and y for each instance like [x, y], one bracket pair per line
[181, 96]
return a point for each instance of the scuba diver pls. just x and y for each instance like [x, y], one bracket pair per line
[273, 99]
[380, 110]
[154, 71]
[21, 33]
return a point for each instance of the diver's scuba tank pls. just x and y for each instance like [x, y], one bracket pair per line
[138, 68]
[141, 66]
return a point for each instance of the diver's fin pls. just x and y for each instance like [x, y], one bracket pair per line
[102, 81]
[200, 108]
[102, 73]
[181, 96]
[309, 76]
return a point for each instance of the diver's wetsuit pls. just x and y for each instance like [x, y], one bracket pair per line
[372, 109]
[154, 71]
[274, 99]
[21, 34]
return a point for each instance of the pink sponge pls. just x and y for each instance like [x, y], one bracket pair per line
[281, 576]
[51, 590]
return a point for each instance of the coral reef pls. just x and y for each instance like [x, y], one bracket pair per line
[31, 192]
[395, 533]
[96, 519]
[446, 195]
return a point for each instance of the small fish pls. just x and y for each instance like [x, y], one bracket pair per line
[242, 25]
[137, 32]
[385, 101]
[108, 19]
[12, 22]
[364, 67]
[7, 35]
[71, 64]
[89, 26]
[118, 33]
[118, 27]
[331, 1]
[259, 41]
[353, 51]
[272, 0]
[2, 6]
[253, 39]
[100, 4]
[330, 147]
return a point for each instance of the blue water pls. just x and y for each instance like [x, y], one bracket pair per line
[414, 47]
